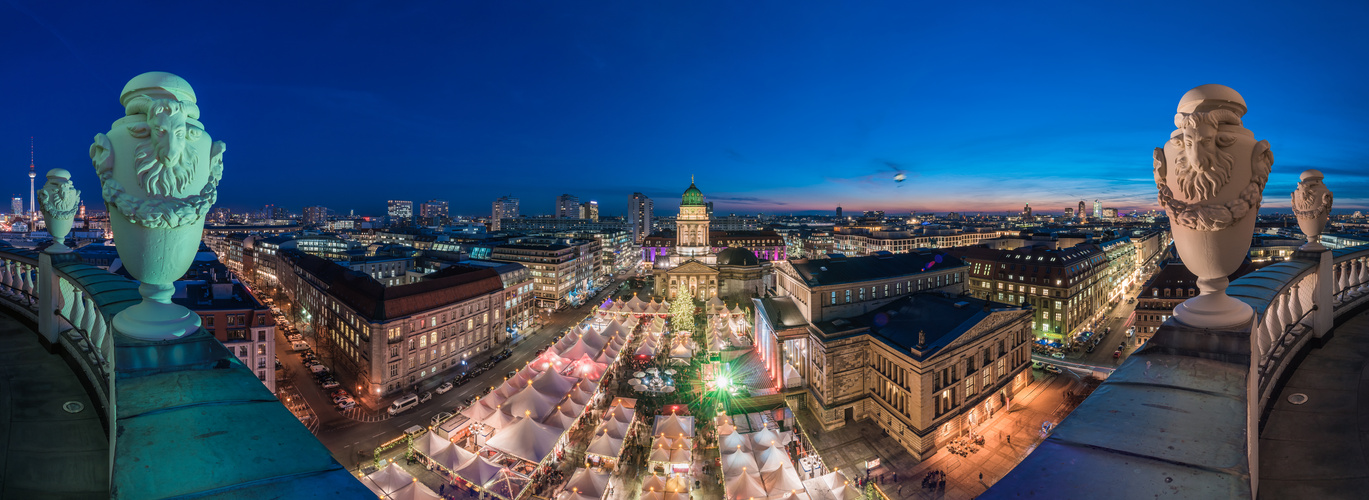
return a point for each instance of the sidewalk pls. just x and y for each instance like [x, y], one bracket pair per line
[846, 448]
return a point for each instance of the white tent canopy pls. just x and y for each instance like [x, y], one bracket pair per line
[388, 480]
[673, 426]
[526, 439]
[745, 486]
[477, 470]
[586, 484]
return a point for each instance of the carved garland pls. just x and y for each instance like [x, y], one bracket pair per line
[1321, 201]
[158, 211]
[56, 207]
[1216, 216]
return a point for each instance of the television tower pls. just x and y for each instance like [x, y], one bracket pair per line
[32, 174]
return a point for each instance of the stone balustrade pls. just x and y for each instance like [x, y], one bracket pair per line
[185, 417]
[1181, 416]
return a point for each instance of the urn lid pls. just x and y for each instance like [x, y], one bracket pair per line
[1311, 174]
[59, 173]
[157, 84]
[1212, 96]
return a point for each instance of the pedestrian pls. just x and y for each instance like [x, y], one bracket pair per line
[981, 477]
[1009, 438]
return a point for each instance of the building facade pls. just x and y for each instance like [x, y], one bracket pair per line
[926, 367]
[401, 212]
[639, 215]
[562, 268]
[1068, 288]
[382, 340]
[567, 207]
[505, 207]
[238, 319]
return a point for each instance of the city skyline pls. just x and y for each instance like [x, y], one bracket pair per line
[820, 108]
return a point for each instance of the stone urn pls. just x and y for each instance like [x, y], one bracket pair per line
[1210, 176]
[159, 174]
[59, 200]
[1312, 207]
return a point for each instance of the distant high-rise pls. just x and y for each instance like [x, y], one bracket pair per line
[315, 214]
[838, 211]
[639, 215]
[506, 207]
[1082, 211]
[434, 212]
[1069, 213]
[708, 208]
[1097, 209]
[267, 211]
[590, 210]
[1109, 213]
[17, 205]
[280, 213]
[1027, 212]
[567, 207]
[400, 211]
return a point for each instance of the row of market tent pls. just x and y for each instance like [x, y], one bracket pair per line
[516, 427]
[757, 465]
[636, 306]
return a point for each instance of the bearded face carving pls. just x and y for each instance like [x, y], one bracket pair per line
[1211, 173]
[1203, 167]
[59, 197]
[167, 159]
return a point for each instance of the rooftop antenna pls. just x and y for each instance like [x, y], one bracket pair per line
[32, 174]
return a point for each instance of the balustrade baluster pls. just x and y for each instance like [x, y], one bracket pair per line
[88, 316]
[6, 276]
[1295, 305]
[78, 311]
[1363, 278]
[1281, 313]
[98, 331]
[1343, 285]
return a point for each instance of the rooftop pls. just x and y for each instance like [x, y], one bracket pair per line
[940, 318]
[377, 302]
[839, 270]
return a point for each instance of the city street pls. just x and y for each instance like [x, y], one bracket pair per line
[354, 436]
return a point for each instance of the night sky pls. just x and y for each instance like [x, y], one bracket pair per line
[776, 107]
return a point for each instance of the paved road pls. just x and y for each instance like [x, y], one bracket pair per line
[352, 441]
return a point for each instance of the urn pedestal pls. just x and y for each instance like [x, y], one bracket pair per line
[1312, 207]
[1212, 256]
[159, 173]
[1211, 175]
[156, 258]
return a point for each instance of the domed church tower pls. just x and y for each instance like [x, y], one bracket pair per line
[691, 227]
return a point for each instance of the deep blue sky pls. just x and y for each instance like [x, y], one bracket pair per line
[774, 106]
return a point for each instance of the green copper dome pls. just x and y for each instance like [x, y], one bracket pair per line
[692, 197]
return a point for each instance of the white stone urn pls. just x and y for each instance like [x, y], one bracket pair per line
[1312, 207]
[59, 200]
[159, 174]
[1211, 175]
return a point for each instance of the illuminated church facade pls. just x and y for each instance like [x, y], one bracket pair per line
[699, 262]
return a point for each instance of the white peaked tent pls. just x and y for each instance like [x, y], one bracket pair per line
[733, 442]
[414, 491]
[781, 480]
[478, 411]
[832, 486]
[673, 426]
[477, 470]
[526, 439]
[549, 361]
[744, 486]
[791, 376]
[657, 495]
[773, 458]
[579, 349]
[499, 419]
[586, 484]
[451, 456]
[529, 403]
[553, 384]
[388, 480]
[647, 349]
[605, 444]
[735, 463]
[790, 495]
[507, 484]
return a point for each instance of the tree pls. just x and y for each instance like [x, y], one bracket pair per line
[682, 314]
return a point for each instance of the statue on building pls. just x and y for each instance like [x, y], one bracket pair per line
[59, 200]
[159, 174]
[1210, 176]
[1312, 207]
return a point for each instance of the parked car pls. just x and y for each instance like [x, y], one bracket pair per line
[347, 404]
[425, 397]
[403, 404]
[1058, 355]
[1053, 369]
[298, 346]
[446, 386]
[1117, 354]
[330, 383]
[318, 368]
[437, 419]
[279, 366]
[1037, 365]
